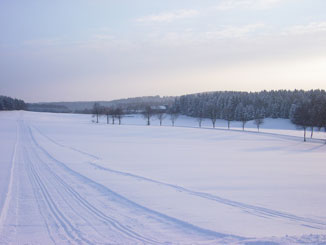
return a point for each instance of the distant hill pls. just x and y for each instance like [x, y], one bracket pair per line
[131, 104]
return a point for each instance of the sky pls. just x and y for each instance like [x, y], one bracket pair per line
[88, 50]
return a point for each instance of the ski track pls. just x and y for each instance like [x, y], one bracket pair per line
[255, 210]
[5, 207]
[39, 183]
[64, 146]
[81, 202]
[71, 217]
[84, 206]
[252, 209]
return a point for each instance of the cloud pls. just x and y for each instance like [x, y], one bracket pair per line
[234, 31]
[204, 38]
[314, 27]
[251, 4]
[169, 16]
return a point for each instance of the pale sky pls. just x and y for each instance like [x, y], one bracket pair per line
[68, 50]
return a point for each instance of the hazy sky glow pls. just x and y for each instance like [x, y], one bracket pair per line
[107, 49]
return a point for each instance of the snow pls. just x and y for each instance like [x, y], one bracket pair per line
[66, 180]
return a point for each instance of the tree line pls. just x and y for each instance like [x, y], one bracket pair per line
[128, 105]
[9, 104]
[306, 109]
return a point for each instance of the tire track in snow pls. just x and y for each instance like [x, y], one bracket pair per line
[252, 209]
[124, 201]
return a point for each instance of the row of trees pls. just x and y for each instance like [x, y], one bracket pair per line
[149, 112]
[115, 113]
[8, 104]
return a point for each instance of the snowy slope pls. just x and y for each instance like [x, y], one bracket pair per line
[66, 180]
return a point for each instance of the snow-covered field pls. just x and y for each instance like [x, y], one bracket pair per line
[66, 180]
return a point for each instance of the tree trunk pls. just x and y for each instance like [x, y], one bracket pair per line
[312, 132]
[304, 134]
[107, 119]
[96, 118]
[229, 122]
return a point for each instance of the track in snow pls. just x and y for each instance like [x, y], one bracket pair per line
[252, 209]
[4, 211]
[68, 208]
[50, 202]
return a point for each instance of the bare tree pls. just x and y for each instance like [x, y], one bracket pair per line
[148, 114]
[107, 112]
[174, 114]
[119, 114]
[244, 114]
[97, 111]
[160, 114]
[301, 117]
[213, 114]
[228, 115]
[200, 118]
[258, 122]
[174, 117]
[259, 118]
